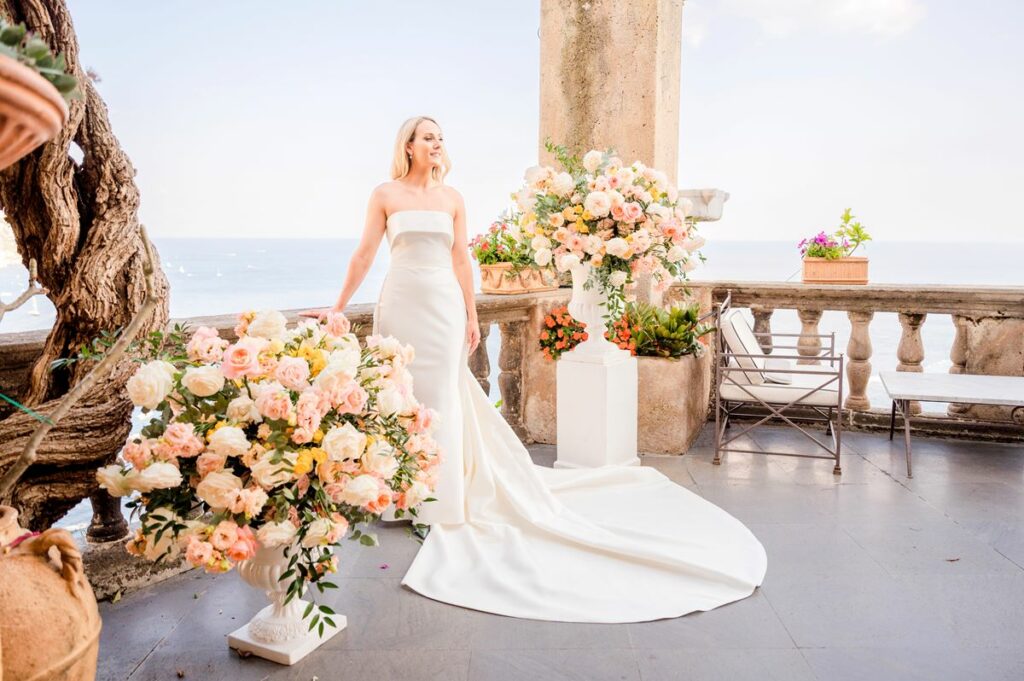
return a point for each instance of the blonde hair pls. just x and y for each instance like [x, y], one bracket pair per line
[400, 164]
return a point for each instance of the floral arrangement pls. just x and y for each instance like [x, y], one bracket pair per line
[644, 330]
[620, 219]
[503, 243]
[287, 437]
[840, 244]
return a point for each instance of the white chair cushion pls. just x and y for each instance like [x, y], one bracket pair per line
[773, 364]
[740, 339]
[774, 393]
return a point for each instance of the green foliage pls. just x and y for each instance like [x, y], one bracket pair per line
[840, 244]
[852, 232]
[657, 332]
[18, 43]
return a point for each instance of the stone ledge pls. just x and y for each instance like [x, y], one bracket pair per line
[111, 569]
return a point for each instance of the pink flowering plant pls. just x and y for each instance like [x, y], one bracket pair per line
[840, 244]
[621, 219]
[502, 243]
[286, 437]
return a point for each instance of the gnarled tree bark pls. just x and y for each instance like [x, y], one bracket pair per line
[80, 223]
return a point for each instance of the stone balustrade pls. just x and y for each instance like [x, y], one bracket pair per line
[989, 323]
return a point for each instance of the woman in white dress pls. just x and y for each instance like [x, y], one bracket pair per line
[612, 544]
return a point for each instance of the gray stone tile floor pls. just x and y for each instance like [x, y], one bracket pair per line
[870, 576]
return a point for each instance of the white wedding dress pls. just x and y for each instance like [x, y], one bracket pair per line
[611, 544]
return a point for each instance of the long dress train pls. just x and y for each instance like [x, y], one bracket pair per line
[611, 544]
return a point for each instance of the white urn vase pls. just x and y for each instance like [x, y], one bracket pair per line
[278, 632]
[589, 305]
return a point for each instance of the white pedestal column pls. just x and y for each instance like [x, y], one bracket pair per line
[596, 410]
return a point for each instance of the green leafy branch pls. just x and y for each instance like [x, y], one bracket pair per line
[20, 44]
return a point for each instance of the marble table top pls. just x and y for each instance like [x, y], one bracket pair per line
[967, 388]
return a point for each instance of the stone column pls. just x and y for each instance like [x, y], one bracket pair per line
[910, 351]
[958, 356]
[479, 362]
[763, 324]
[858, 361]
[609, 77]
[808, 345]
[510, 380]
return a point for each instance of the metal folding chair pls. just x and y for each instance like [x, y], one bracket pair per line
[747, 385]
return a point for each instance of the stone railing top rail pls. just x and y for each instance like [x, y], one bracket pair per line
[986, 301]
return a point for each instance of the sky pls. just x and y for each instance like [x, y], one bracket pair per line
[257, 119]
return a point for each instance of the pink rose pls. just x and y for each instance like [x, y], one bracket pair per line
[138, 454]
[673, 229]
[308, 410]
[337, 324]
[224, 535]
[293, 373]
[242, 358]
[274, 404]
[206, 345]
[209, 462]
[182, 440]
[198, 551]
[422, 420]
[633, 212]
[619, 211]
[353, 400]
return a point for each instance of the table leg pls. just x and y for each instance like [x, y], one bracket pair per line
[905, 408]
[892, 420]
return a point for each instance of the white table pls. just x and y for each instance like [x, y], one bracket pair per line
[905, 386]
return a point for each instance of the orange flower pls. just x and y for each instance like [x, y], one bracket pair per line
[550, 322]
[544, 335]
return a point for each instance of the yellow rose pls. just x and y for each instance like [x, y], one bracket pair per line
[587, 216]
[318, 435]
[568, 213]
[303, 463]
[276, 346]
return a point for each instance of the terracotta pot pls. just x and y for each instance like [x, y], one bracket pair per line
[852, 270]
[31, 110]
[499, 278]
[672, 398]
[49, 622]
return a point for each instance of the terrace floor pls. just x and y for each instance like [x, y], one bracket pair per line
[870, 576]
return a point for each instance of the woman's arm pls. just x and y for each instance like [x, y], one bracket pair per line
[362, 257]
[464, 273]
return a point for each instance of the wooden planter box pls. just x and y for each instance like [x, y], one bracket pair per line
[672, 396]
[852, 270]
[499, 278]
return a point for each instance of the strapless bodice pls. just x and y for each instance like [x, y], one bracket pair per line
[420, 238]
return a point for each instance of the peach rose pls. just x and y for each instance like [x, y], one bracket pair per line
[242, 358]
[224, 535]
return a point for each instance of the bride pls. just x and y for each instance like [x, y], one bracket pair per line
[611, 544]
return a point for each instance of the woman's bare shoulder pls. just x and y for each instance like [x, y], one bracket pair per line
[452, 194]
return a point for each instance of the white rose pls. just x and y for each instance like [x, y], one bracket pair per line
[268, 474]
[540, 242]
[592, 244]
[537, 174]
[417, 492]
[686, 206]
[625, 177]
[617, 247]
[360, 490]
[597, 204]
[268, 324]
[316, 533]
[562, 184]
[151, 384]
[672, 194]
[542, 257]
[203, 381]
[617, 278]
[243, 410]
[219, 489]
[229, 441]
[693, 243]
[567, 262]
[657, 211]
[159, 475]
[388, 346]
[380, 459]
[690, 264]
[116, 483]
[344, 443]
[275, 534]
[526, 200]
[390, 401]
[592, 160]
[676, 253]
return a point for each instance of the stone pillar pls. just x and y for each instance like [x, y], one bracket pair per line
[809, 345]
[910, 351]
[958, 356]
[609, 77]
[479, 362]
[763, 324]
[858, 361]
[510, 380]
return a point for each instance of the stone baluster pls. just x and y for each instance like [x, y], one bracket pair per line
[510, 380]
[479, 362]
[763, 324]
[958, 356]
[809, 346]
[910, 351]
[858, 361]
[108, 523]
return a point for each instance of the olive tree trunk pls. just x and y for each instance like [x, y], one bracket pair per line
[80, 223]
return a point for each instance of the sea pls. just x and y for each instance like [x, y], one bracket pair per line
[217, 276]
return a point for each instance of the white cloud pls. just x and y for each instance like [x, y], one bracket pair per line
[785, 17]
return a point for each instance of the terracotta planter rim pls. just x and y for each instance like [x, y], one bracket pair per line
[14, 71]
[848, 258]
